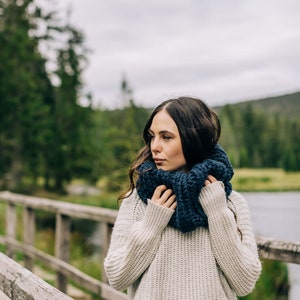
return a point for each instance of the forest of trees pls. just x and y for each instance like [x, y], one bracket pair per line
[47, 138]
[41, 122]
[255, 138]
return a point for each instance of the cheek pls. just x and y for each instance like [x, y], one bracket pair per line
[178, 153]
[183, 158]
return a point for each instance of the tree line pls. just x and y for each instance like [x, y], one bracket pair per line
[255, 138]
[48, 138]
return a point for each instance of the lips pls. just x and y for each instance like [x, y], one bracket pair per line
[158, 160]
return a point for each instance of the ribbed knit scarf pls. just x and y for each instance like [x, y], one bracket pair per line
[186, 186]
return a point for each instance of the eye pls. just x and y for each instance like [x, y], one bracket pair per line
[166, 137]
[150, 136]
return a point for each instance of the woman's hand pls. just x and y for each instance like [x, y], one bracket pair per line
[210, 179]
[164, 197]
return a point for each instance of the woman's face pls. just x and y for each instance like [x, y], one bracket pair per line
[165, 143]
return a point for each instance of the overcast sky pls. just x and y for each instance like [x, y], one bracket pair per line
[221, 51]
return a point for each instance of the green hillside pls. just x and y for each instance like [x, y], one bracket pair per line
[284, 105]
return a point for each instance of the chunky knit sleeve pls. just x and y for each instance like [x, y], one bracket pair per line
[134, 244]
[232, 238]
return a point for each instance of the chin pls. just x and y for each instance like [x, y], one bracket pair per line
[166, 169]
[162, 168]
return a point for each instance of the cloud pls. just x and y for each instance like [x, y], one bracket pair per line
[222, 50]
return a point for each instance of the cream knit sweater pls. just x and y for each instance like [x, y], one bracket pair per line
[157, 262]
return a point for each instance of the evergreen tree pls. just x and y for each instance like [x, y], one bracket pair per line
[23, 88]
[291, 158]
[71, 119]
[42, 124]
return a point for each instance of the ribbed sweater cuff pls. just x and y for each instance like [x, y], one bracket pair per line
[213, 198]
[157, 217]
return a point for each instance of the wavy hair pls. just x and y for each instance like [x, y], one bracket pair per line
[199, 129]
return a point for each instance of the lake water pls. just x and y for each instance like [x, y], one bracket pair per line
[277, 215]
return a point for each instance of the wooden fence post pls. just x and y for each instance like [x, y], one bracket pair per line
[62, 246]
[106, 229]
[11, 225]
[28, 233]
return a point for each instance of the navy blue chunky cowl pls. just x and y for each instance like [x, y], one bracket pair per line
[186, 186]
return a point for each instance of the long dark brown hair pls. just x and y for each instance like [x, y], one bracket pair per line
[199, 129]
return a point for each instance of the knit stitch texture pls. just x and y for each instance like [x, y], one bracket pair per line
[186, 186]
[157, 262]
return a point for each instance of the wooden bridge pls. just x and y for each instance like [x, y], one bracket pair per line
[18, 282]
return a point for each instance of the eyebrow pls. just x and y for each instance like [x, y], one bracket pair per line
[162, 132]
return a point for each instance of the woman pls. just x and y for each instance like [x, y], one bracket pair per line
[181, 232]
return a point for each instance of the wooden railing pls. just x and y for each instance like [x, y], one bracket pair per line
[59, 263]
[268, 247]
[19, 283]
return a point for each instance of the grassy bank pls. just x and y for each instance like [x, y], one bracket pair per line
[250, 180]
[265, 180]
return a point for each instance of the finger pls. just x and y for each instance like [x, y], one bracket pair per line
[170, 200]
[206, 182]
[174, 205]
[166, 195]
[159, 191]
[156, 197]
[211, 178]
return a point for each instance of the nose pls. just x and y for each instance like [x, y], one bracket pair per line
[155, 145]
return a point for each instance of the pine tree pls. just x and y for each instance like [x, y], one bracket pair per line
[23, 86]
[71, 120]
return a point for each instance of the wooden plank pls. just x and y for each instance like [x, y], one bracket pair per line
[106, 231]
[84, 280]
[19, 283]
[64, 208]
[28, 233]
[3, 296]
[270, 248]
[11, 225]
[62, 246]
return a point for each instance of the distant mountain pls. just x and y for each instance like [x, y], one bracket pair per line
[285, 105]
